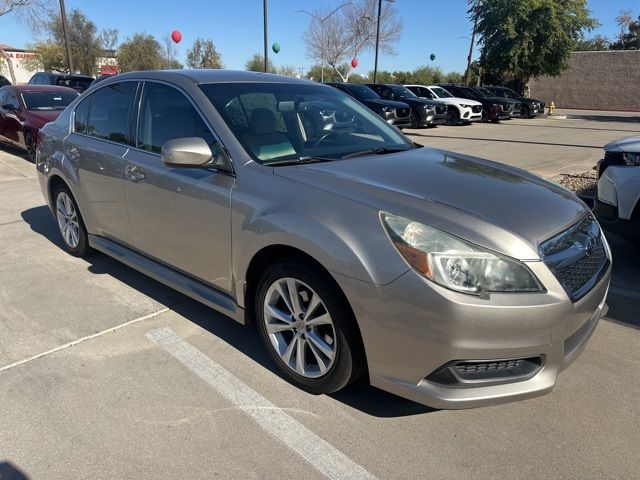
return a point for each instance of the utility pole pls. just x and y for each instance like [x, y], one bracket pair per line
[467, 77]
[375, 65]
[65, 32]
[266, 36]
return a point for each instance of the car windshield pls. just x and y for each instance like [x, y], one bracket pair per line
[362, 92]
[402, 92]
[78, 83]
[471, 92]
[48, 100]
[283, 122]
[510, 93]
[440, 92]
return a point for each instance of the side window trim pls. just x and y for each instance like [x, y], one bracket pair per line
[138, 104]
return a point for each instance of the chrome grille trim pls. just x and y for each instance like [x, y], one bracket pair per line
[578, 257]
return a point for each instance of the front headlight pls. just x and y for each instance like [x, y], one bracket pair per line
[428, 107]
[464, 105]
[631, 159]
[388, 109]
[454, 263]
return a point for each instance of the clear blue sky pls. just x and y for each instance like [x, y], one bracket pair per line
[235, 26]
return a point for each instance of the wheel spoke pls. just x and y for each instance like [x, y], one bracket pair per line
[286, 355]
[300, 355]
[74, 234]
[313, 304]
[324, 319]
[293, 296]
[275, 312]
[316, 353]
[283, 292]
[326, 349]
[67, 234]
[278, 327]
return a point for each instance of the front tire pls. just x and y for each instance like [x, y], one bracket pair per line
[70, 224]
[30, 144]
[453, 116]
[308, 328]
[524, 113]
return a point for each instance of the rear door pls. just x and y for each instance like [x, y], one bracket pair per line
[179, 216]
[100, 138]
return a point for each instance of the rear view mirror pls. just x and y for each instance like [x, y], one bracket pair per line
[186, 152]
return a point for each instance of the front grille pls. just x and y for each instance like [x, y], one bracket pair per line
[577, 257]
[484, 367]
[441, 109]
[403, 112]
[516, 108]
[507, 107]
[476, 108]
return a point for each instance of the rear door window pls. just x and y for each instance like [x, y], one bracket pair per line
[110, 115]
[81, 116]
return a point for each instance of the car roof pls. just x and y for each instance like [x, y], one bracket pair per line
[212, 76]
[41, 88]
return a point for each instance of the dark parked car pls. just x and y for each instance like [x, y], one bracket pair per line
[78, 82]
[394, 112]
[530, 106]
[25, 109]
[4, 81]
[494, 109]
[424, 113]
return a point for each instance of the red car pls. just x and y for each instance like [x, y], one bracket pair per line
[25, 109]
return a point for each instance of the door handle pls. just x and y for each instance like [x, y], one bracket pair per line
[133, 173]
[72, 153]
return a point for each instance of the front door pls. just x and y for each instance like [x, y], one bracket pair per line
[179, 216]
[11, 124]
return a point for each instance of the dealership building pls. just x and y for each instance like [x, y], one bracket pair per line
[106, 65]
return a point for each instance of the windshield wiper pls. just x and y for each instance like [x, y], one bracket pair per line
[378, 151]
[298, 161]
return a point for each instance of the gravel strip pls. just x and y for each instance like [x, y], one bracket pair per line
[583, 183]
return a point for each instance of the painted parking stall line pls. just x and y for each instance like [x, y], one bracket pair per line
[323, 456]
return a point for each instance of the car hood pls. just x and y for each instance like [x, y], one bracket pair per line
[458, 100]
[502, 100]
[420, 101]
[38, 118]
[386, 103]
[629, 144]
[499, 207]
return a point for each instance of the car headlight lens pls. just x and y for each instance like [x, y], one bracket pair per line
[631, 159]
[387, 109]
[464, 105]
[429, 107]
[454, 263]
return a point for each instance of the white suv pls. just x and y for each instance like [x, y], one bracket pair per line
[617, 204]
[465, 111]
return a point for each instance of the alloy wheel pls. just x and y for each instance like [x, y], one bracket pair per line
[67, 220]
[299, 327]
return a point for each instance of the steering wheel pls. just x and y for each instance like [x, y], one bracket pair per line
[324, 137]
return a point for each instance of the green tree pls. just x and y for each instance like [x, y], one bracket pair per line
[203, 54]
[140, 52]
[593, 44]
[256, 64]
[629, 38]
[84, 41]
[50, 56]
[530, 37]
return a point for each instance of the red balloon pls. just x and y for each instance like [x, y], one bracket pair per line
[176, 36]
[354, 62]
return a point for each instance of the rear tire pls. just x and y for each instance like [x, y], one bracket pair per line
[70, 223]
[308, 328]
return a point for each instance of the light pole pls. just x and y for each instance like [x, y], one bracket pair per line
[322, 20]
[266, 55]
[65, 32]
[375, 65]
[467, 77]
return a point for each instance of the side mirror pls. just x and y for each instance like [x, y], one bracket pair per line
[186, 152]
[8, 106]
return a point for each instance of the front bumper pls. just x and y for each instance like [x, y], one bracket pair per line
[467, 115]
[431, 118]
[411, 328]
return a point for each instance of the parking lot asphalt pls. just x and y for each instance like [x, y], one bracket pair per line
[105, 373]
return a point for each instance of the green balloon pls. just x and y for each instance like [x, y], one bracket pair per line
[275, 47]
[432, 57]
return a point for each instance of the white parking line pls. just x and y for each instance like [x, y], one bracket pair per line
[319, 453]
[82, 339]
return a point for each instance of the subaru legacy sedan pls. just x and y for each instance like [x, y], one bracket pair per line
[446, 279]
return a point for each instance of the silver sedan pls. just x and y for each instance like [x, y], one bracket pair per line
[450, 280]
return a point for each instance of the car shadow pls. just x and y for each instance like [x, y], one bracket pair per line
[605, 118]
[18, 152]
[624, 293]
[244, 338]
[8, 471]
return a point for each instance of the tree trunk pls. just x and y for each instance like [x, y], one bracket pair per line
[12, 74]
